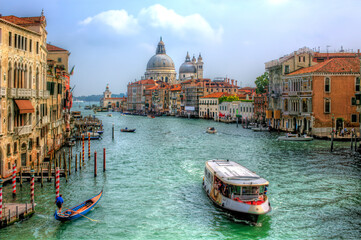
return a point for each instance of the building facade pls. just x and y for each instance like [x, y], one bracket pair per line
[108, 101]
[23, 66]
[191, 69]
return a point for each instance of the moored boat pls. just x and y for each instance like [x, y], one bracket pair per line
[295, 137]
[109, 115]
[211, 130]
[79, 210]
[127, 130]
[260, 129]
[236, 189]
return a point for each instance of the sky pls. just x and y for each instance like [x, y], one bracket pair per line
[111, 41]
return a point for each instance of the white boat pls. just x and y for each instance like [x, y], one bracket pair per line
[211, 130]
[295, 137]
[236, 189]
[109, 115]
[260, 129]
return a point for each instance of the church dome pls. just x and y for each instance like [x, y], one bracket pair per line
[160, 60]
[187, 66]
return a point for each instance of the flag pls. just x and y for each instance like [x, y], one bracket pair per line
[72, 71]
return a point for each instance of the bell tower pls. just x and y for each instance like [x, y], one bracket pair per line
[200, 66]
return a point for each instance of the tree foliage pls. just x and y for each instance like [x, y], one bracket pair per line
[228, 99]
[261, 83]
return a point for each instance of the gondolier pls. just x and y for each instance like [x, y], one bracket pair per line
[59, 202]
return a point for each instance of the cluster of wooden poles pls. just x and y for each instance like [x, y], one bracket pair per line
[353, 141]
[58, 163]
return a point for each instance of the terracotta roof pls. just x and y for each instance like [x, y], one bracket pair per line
[145, 81]
[216, 95]
[334, 65]
[50, 47]
[23, 21]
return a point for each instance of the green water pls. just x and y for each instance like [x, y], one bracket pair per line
[153, 186]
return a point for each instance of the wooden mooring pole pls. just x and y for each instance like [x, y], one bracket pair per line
[76, 162]
[95, 163]
[332, 141]
[113, 131]
[104, 159]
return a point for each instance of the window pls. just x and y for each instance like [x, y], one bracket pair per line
[8, 150]
[37, 47]
[30, 45]
[353, 118]
[15, 147]
[26, 44]
[15, 41]
[287, 69]
[0, 36]
[9, 39]
[357, 88]
[353, 101]
[327, 102]
[327, 84]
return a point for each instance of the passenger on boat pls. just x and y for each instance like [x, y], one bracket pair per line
[59, 202]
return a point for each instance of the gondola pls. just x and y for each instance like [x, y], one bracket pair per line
[127, 130]
[79, 210]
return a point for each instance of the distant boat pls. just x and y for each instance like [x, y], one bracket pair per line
[79, 210]
[211, 130]
[150, 116]
[127, 130]
[295, 137]
[260, 129]
[109, 115]
[87, 107]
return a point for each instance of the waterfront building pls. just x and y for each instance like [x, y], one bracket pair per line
[60, 100]
[246, 109]
[140, 95]
[260, 108]
[108, 101]
[23, 66]
[321, 98]
[160, 98]
[208, 105]
[276, 70]
[191, 69]
[175, 99]
[161, 67]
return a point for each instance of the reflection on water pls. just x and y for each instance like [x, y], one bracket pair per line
[153, 186]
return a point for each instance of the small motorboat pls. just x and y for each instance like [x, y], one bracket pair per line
[79, 210]
[127, 130]
[151, 116]
[211, 130]
[260, 129]
[100, 132]
[109, 115]
[295, 137]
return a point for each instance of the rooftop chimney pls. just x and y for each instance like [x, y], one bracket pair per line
[232, 82]
[236, 83]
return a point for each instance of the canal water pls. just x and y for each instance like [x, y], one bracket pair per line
[153, 186]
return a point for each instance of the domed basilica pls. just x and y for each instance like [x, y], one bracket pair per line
[161, 67]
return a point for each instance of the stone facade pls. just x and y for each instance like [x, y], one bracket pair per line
[112, 102]
[23, 66]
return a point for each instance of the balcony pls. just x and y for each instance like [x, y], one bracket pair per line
[23, 93]
[27, 129]
[2, 92]
[292, 93]
[11, 92]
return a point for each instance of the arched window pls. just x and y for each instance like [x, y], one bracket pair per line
[9, 120]
[166, 79]
[26, 84]
[37, 79]
[327, 84]
[9, 76]
[30, 79]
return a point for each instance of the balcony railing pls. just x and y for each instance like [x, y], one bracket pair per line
[57, 123]
[45, 120]
[20, 93]
[27, 129]
[2, 92]
[12, 93]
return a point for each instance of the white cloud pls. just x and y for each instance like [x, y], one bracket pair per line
[119, 20]
[192, 26]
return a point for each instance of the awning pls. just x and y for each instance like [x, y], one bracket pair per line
[24, 106]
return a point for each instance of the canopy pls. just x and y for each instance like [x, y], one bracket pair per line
[24, 106]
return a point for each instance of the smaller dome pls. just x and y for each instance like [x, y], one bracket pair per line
[187, 67]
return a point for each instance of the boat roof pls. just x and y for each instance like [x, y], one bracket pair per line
[233, 173]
